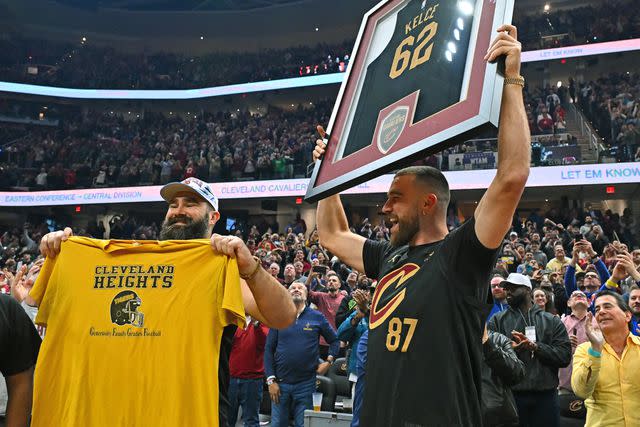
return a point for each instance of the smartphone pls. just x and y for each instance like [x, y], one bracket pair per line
[319, 269]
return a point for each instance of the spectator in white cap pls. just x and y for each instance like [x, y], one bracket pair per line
[541, 342]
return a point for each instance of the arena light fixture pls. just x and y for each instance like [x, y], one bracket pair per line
[559, 84]
[460, 24]
[451, 46]
[456, 34]
[448, 55]
[547, 7]
[465, 7]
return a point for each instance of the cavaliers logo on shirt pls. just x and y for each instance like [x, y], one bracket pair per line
[387, 296]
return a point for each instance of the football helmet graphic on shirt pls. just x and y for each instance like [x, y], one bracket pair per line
[124, 309]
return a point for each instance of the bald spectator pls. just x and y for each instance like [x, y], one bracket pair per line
[291, 360]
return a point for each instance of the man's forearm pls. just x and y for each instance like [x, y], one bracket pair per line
[330, 218]
[272, 299]
[20, 391]
[334, 348]
[514, 139]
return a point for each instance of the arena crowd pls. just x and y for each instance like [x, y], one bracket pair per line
[565, 257]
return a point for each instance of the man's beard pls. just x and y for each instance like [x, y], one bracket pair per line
[635, 310]
[405, 231]
[516, 301]
[193, 229]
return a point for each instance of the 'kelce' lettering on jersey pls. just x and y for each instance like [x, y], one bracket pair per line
[379, 312]
[133, 276]
[424, 16]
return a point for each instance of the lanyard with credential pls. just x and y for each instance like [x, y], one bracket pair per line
[529, 330]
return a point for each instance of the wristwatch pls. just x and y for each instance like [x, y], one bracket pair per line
[518, 81]
[271, 380]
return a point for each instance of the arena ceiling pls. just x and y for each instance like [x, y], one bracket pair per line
[183, 5]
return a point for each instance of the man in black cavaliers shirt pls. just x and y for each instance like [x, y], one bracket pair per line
[426, 319]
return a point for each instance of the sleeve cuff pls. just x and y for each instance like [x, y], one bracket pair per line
[594, 353]
[611, 284]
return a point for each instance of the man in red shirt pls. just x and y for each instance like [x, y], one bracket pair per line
[246, 365]
[327, 303]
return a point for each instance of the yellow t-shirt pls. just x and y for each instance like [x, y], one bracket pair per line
[134, 331]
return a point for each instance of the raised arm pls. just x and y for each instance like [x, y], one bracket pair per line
[264, 298]
[333, 228]
[495, 211]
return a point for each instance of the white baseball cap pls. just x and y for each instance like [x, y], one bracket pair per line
[518, 280]
[193, 185]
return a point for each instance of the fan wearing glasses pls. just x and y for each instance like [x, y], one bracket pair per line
[593, 281]
[574, 323]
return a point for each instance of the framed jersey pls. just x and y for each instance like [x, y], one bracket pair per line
[417, 83]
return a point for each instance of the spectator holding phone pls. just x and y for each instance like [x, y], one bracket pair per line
[593, 282]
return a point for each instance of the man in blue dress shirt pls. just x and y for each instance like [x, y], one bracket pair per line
[291, 360]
